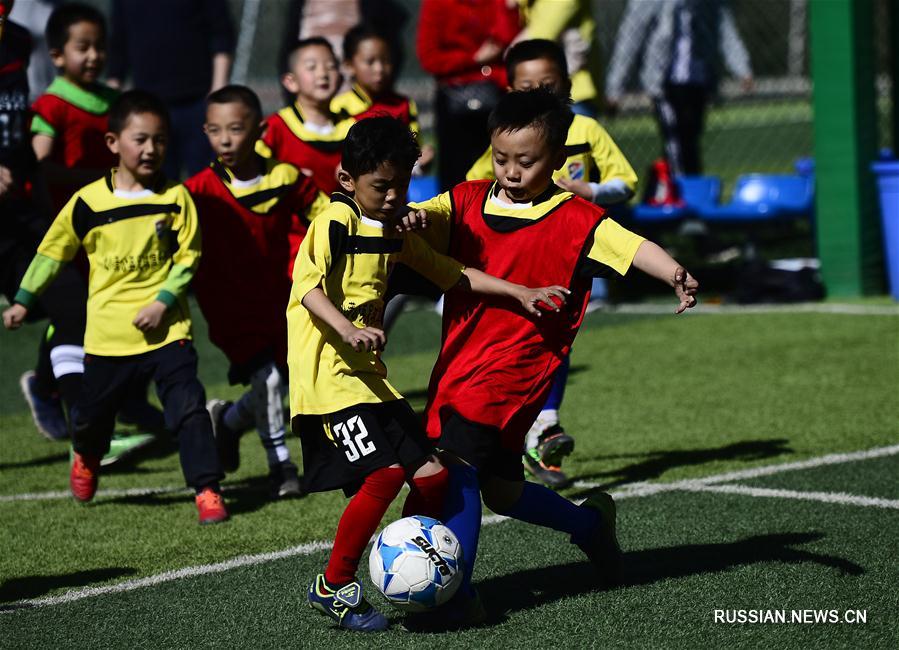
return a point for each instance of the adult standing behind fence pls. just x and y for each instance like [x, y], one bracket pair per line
[461, 43]
[683, 43]
[180, 50]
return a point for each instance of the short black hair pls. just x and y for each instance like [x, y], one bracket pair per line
[64, 16]
[291, 50]
[539, 108]
[235, 94]
[376, 140]
[538, 48]
[359, 33]
[136, 102]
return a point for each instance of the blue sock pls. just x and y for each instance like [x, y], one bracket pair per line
[462, 515]
[541, 506]
[557, 392]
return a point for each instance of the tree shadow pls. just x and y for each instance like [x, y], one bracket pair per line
[523, 590]
[656, 463]
[36, 462]
[34, 586]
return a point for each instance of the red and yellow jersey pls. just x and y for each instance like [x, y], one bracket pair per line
[314, 151]
[359, 104]
[77, 119]
[496, 360]
[252, 231]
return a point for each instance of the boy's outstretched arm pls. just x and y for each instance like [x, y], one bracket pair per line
[653, 260]
[359, 338]
[531, 299]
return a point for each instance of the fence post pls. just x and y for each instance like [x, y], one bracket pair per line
[845, 130]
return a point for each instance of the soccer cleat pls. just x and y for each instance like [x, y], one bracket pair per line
[346, 606]
[83, 476]
[227, 441]
[553, 445]
[123, 445]
[602, 546]
[284, 482]
[211, 506]
[462, 611]
[47, 413]
[552, 477]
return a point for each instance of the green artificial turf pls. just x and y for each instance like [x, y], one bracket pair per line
[650, 398]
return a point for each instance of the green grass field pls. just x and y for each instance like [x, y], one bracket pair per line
[670, 414]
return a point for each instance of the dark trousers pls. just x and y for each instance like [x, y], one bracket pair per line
[188, 150]
[461, 137]
[680, 113]
[107, 383]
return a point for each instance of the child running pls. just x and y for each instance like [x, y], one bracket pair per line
[142, 242]
[594, 169]
[253, 215]
[495, 366]
[68, 138]
[307, 134]
[357, 431]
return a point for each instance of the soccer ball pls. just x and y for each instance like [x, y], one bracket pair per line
[416, 563]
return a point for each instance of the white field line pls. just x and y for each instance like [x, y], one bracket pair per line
[635, 490]
[111, 494]
[824, 497]
[796, 308]
[646, 489]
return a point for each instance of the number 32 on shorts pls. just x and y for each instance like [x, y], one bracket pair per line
[353, 434]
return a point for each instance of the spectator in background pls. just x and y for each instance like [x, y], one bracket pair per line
[33, 15]
[682, 43]
[461, 43]
[180, 50]
[571, 24]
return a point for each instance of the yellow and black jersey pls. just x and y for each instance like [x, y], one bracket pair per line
[142, 246]
[611, 248]
[592, 156]
[349, 256]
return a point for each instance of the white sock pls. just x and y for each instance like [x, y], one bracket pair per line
[546, 419]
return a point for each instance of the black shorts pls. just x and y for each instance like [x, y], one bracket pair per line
[340, 449]
[480, 445]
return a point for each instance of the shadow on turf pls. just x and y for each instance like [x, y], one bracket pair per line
[37, 462]
[656, 463]
[34, 586]
[249, 495]
[534, 587]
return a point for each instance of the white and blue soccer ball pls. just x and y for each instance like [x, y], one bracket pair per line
[416, 562]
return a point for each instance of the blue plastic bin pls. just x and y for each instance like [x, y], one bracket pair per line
[887, 173]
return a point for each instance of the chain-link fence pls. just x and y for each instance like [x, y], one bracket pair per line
[762, 128]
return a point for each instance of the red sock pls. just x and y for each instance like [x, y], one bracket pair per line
[359, 522]
[427, 495]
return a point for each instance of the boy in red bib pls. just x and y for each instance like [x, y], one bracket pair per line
[307, 134]
[496, 366]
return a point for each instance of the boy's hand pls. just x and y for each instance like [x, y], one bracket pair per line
[150, 317]
[364, 339]
[685, 288]
[414, 220]
[546, 298]
[581, 188]
[6, 180]
[14, 316]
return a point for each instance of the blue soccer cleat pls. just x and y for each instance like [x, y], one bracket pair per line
[47, 412]
[346, 606]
